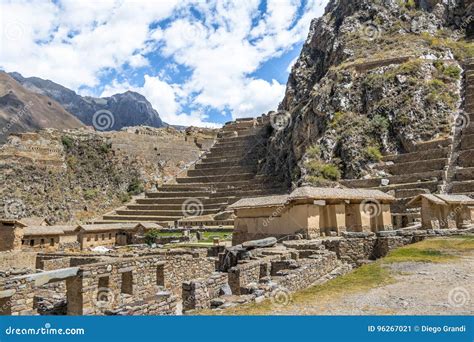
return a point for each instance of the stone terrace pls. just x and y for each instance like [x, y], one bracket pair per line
[228, 172]
[462, 178]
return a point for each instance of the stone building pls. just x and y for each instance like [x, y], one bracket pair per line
[312, 212]
[93, 235]
[444, 211]
[11, 235]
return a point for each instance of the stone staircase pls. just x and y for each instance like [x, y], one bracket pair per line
[226, 173]
[462, 175]
[421, 170]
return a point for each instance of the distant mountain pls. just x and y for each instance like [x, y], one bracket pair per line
[22, 110]
[107, 113]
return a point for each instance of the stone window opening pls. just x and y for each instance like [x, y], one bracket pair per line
[32, 242]
[6, 306]
[51, 243]
[88, 238]
[127, 283]
[23, 242]
[103, 292]
[96, 237]
[160, 275]
[103, 237]
[42, 242]
[110, 236]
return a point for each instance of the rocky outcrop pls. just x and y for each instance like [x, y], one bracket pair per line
[373, 78]
[127, 109]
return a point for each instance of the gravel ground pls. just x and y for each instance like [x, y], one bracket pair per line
[420, 289]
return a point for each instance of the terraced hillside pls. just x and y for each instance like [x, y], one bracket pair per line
[437, 166]
[227, 173]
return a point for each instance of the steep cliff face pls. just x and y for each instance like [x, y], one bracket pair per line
[126, 110]
[373, 77]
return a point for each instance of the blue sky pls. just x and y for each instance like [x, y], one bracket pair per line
[198, 62]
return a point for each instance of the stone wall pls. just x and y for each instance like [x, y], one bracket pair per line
[17, 259]
[198, 293]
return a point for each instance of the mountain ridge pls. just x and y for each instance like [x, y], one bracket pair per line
[104, 113]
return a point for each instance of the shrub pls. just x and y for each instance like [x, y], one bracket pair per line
[313, 152]
[323, 170]
[452, 71]
[67, 141]
[135, 187]
[90, 194]
[151, 236]
[373, 153]
[125, 197]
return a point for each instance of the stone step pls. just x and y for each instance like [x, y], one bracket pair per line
[409, 193]
[217, 179]
[177, 194]
[431, 145]
[220, 171]
[417, 156]
[225, 162]
[432, 186]
[172, 207]
[228, 154]
[179, 201]
[132, 218]
[466, 158]
[464, 174]
[414, 167]
[467, 141]
[465, 186]
[410, 178]
[181, 187]
[166, 213]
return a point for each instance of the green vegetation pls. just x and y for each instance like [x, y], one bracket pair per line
[135, 187]
[90, 194]
[374, 154]
[321, 170]
[461, 49]
[151, 236]
[67, 141]
[125, 197]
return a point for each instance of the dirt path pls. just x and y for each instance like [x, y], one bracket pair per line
[419, 289]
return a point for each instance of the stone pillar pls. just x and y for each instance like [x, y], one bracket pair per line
[427, 214]
[353, 218]
[386, 217]
[340, 211]
[314, 220]
[74, 295]
[365, 220]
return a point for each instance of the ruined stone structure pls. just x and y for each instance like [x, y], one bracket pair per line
[312, 212]
[228, 172]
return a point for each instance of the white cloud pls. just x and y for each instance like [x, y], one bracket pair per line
[76, 43]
